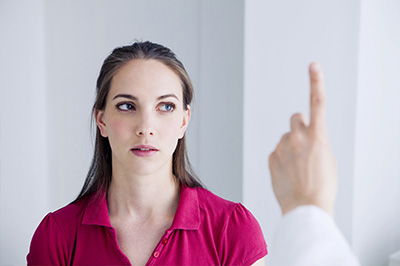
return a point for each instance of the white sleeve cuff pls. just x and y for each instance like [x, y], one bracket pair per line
[309, 236]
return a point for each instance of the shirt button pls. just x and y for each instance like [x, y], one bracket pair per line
[156, 254]
[165, 241]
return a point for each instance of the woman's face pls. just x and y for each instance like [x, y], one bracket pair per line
[144, 117]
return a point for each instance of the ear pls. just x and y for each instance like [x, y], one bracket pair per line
[185, 122]
[99, 115]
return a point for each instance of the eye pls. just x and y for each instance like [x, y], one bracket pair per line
[167, 107]
[125, 106]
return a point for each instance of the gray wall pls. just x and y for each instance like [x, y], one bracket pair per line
[76, 47]
[24, 186]
[357, 43]
[51, 53]
[248, 61]
[376, 195]
[277, 59]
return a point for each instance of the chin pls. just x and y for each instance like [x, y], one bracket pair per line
[145, 170]
[152, 167]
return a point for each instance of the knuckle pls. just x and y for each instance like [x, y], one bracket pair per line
[273, 161]
[285, 137]
[294, 116]
[279, 153]
[296, 140]
[298, 121]
[297, 116]
[315, 78]
[317, 99]
[271, 158]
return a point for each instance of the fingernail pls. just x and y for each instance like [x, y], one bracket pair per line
[315, 67]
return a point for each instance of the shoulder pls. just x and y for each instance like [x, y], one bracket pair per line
[67, 218]
[231, 220]
[210, 201]
[54, 237]
[225, 209]
[71, 212]
[233, 216]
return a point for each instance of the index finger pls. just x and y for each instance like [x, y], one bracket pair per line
[317, 98]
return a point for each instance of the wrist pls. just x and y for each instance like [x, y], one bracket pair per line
[291, 206]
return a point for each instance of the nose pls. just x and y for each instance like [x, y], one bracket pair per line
[145, 125]
[144, 132]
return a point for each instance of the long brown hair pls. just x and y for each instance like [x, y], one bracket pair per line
[100, 172]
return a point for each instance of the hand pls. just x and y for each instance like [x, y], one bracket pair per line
[303, 169]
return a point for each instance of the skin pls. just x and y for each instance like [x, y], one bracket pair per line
[303, 168]
[143, 194]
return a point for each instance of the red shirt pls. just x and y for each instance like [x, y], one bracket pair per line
[206, 230]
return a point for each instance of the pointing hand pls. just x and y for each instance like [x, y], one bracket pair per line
[303, 169]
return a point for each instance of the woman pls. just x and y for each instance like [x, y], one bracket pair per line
[139, 204]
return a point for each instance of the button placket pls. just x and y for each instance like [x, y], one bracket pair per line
[163, 242]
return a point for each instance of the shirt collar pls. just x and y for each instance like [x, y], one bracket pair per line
[96, 212]
[187, 215]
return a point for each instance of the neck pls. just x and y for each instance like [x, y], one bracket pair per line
[143, 197]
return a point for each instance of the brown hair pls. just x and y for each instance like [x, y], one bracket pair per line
[99, 175]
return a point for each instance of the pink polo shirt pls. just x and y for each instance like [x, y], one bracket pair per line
[206, 230]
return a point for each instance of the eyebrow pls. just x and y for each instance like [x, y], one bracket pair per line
[125, 96]
[133, 98]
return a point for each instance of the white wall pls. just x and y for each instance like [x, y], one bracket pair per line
[281, 39]
[77, 46]
[77, 41]
[357, 43]
[376, 217]
[23, 157]
[220, 97]
[53, 51]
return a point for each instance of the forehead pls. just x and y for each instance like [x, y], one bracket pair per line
[144, 78]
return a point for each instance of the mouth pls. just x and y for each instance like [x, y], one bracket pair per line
[144, 150]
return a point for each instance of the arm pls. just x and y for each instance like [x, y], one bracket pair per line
[242, 241]
[303, 172]
[48, 246]
[308, 235]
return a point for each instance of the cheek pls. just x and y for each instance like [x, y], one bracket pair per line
[171, 129]
[118, 129]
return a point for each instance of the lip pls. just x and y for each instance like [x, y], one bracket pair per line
[144, 150]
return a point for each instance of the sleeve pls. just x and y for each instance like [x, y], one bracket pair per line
[242, 239]
[48, 245]
[309, 236]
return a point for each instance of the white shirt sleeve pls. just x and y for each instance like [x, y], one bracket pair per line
[308, 236]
